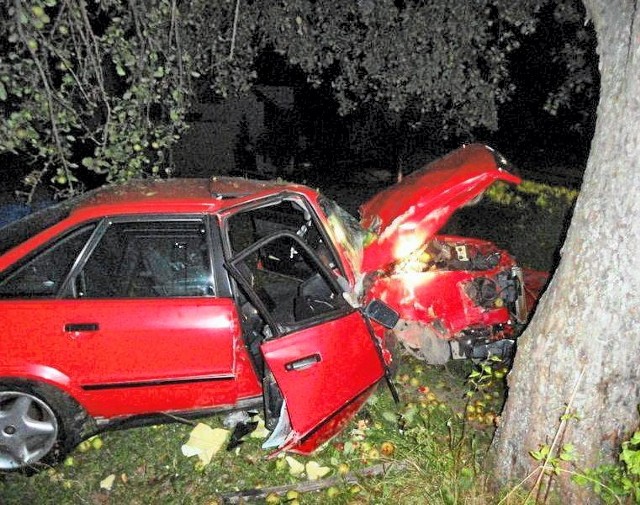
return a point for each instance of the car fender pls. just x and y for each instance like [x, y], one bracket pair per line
[43, 374]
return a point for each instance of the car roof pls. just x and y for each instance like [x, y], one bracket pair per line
[179, 195]
[142, 196]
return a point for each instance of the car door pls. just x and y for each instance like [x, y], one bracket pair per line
[137, 326]
[318, 350]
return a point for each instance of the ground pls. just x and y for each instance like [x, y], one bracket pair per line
[437, 437]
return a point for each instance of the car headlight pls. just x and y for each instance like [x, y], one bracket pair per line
[483, 292]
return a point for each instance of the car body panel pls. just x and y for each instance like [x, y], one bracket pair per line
[127, 350]
[328, 428]
[311, 366]
[405, 216]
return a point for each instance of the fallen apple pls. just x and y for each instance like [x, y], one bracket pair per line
[387, 448]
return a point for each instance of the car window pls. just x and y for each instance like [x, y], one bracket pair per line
[288, 280]
[43, 275]
[249, 226]
[148, 259]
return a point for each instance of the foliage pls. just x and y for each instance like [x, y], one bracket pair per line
[612, 482]
[447, 59]
[104, 86]
[72, 80]
[578, 88]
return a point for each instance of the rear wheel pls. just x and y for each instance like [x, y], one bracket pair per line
[36, 426]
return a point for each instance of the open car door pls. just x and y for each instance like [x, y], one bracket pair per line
[320, 357]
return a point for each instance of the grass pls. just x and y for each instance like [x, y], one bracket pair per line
[431, 433]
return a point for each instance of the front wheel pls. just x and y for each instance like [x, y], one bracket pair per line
[35, 429]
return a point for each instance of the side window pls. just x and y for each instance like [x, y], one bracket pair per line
[247, 227]
[148, 259]
[42, 276]
[292, 286]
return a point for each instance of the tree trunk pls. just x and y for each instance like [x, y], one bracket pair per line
[583, 346]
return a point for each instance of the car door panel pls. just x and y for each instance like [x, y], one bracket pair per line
[143, 354]
[340, 363]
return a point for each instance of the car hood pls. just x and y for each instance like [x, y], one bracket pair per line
[402, 218]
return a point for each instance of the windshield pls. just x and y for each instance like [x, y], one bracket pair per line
[346, 231]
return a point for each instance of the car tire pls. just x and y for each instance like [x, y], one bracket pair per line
[39, 425]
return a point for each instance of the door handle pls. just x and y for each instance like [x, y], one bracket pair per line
[301, 364]
[81, 327]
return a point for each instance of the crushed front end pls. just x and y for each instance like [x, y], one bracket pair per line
[458, 298]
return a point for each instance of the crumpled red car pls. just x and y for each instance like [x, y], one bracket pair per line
[458, 297]
[154, 299]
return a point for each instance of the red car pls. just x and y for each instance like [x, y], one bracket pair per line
[194, 296]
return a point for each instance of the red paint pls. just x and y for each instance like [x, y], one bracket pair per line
[318, 392]
[421, 204]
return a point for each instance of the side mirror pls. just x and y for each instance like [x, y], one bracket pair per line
[381, 313]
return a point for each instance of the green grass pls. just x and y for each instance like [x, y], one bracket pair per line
[442, 453]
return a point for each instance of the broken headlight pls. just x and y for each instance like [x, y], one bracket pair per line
[484, 292]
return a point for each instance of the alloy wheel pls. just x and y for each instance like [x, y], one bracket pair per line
[28, 429]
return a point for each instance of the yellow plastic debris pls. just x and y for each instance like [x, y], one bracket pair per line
[107, 482]
[315, 471]
[295, 467]
[205, 442]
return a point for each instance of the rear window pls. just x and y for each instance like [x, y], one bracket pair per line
[19, 231]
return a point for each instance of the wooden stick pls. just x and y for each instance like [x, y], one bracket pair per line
[313, 485]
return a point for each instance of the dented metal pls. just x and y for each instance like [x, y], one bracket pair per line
[465, 292]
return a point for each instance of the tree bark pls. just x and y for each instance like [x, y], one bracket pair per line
[586, 331]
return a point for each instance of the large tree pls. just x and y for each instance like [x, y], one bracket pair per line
[576, 376]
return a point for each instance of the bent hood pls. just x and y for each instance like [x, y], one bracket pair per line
[405, 216]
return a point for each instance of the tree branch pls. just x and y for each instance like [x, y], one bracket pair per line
[48, 93]
[235, 29]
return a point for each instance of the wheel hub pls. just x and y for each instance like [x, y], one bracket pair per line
[28, 429]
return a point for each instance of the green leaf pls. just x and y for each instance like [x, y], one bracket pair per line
[540, 454]
[568, 452]
[3, 92]
[387, 415]
[120, 71]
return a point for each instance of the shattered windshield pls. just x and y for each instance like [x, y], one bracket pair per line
[345, 230]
